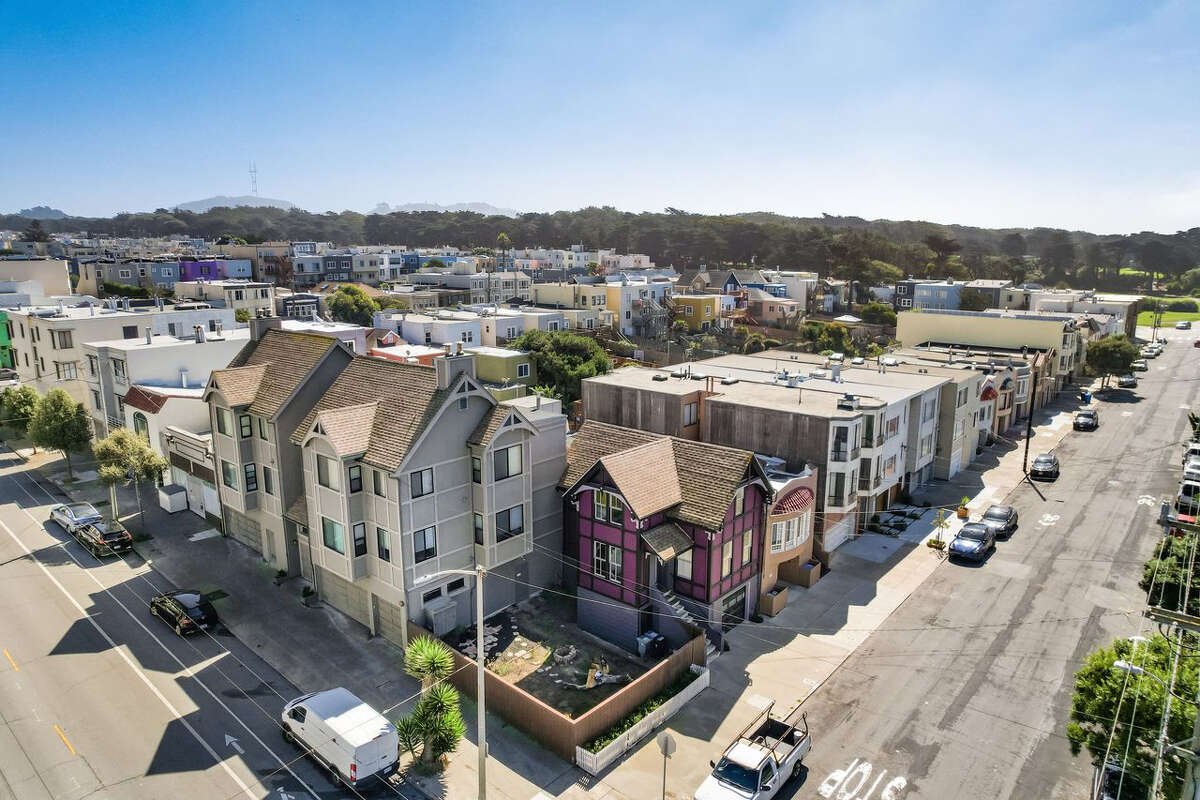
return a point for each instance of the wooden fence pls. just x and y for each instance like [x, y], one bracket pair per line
[552, 729]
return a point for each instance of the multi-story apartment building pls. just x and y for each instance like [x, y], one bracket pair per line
[118, 366]
[807, 429]
[51, 273]
[561, 294]
[639, 306]
[48, 341]
[236, 294]
[369, 477]
[662, 528]
[700, 312]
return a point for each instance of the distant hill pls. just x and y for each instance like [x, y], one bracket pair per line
[42, 212]
[201, 206]
[487, 209]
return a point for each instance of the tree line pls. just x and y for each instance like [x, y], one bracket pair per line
[868, 251]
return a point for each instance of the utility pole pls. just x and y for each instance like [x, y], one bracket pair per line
[1029, 422]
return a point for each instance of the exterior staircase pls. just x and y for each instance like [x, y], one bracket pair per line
[669, 599]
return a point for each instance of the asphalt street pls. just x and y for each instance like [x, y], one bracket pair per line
[964, 691]
[99, 699]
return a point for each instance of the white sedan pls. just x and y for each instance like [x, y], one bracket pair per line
[1140, 365]
[74, 516]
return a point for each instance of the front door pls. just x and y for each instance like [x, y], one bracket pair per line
[666, 575]
[195, 495]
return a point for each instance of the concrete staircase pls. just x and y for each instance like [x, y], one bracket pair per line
[669, 599]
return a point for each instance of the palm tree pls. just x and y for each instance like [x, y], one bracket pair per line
[436, 724]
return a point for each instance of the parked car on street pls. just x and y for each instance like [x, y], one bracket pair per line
[973, 542]
[9, 378]
[353, 741]
[105, 537]
[761, 759]
[1187, 500]
[1002, 520]
[1127, 382]
[1045, 466]
[1183, 325]
[1087, 420]
[1191, 452]
[1140, 365]
[187, 611]
[1149, 352]
[72, 515]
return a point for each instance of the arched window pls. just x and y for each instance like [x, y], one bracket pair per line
[141, 426]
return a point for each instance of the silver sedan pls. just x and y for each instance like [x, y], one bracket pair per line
[74, 516]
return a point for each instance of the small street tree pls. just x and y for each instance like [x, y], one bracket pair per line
[1112, 355]
[435, 726]
[19, 403]
[125, 458]
[60, 423]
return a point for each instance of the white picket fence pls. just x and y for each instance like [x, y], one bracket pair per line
[595, 763]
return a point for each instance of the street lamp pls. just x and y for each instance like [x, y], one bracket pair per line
[478, 572]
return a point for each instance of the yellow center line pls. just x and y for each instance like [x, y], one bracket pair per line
[63, 736]
[10, 660]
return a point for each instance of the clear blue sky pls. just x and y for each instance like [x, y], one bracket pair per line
[1077, 114]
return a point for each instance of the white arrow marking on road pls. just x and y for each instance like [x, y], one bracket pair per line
[284, 795]
[1048, 519]
[232, 742]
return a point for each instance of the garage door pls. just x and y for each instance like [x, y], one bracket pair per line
[244, 529]
[390, 623]
[956, 462]
[343, 595]
[838, 533]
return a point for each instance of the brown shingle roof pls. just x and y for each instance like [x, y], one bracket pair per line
[298, 511]
[264, 373]
[408, 398]
[667, 540]
[145, 399]
[708, 475]
[349, 428]
[646, 476]
[490, 424]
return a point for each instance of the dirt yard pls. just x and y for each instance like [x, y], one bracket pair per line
[521, 645]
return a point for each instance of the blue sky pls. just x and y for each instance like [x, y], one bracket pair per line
[1080, 114]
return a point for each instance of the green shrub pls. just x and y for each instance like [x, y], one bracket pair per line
[1182, 305]
[639, 713]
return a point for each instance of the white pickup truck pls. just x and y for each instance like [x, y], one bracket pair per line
[762, 757]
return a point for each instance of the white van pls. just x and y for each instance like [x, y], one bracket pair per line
[348, 737]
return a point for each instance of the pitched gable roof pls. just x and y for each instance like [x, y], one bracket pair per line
[492, 423]
[706, 476]
[349, 429]
[265, 372]
[408, 399]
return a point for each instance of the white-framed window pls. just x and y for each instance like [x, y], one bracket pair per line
[383, 544]
[739, 501]
[359, 535]
[607, 561]
[61, 340]
[118, 368]
[327, 473]
[683, 565]
[522, 370]
[687, 311]
[506, 462]
[747, 545]
[333, 535]
[251, 475]
[229, 474]
[726, 559]
[65, 370]
[691, 413]
[421, 482]
[224, 421]
[510, 522]
[424, 544]
[124, 273]
[600, 505]
[378, 486]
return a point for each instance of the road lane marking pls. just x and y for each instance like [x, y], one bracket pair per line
[846, 784]
[126, 658]
[137, 620]
[63, 736]
[10, 660]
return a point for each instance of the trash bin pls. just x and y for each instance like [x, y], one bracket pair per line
[1085, 396]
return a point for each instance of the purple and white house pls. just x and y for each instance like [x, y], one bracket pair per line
[664, 530]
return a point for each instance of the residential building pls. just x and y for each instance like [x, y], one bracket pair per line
[410, 471]
[435, 328]
[353, 335]
[774, 312]
[239, 295]
[570, 295]
[500, 368]
[51, 273]
[6, 350]
[798, 286]
[994, 290]
[115, 366]
[655, 521]
[700, 312]
[639, 305]
[150, 411]
[48, 341]
[818, 430]
[193, 466]
[788, 531]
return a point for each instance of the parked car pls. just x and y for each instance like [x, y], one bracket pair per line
[1127, 382]
[1149, 352]
[104, 537]
[187, 611]
[1187, 500]
[1087, 420]
[1183, 325]
[9, 378]
[1001, 519]
[345, 735]
[761, 758]
[1191, 452]
[1045, 466]
[73, 515]
[1113, 783]
[973, 541]
[1140, 365]
[1191, 471]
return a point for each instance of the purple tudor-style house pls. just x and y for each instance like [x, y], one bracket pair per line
[667, 533]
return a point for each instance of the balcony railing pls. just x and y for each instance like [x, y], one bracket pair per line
[865, 484]
[844, 454]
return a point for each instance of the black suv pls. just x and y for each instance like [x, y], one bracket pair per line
[187, 611]
[104, 538]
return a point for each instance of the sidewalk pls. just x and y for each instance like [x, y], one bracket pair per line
[785, 658]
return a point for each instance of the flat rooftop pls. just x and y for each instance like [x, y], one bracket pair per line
[496, 352]
[159, 341]
[766, 368]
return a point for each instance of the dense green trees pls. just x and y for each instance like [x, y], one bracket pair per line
[59, 423]
[1110, 356]
[18, 404]
[351, 304]
[563, 359]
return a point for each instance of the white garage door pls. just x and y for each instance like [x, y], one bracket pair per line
[838, 533]
[956, 463]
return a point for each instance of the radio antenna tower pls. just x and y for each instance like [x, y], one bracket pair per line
[254, 179]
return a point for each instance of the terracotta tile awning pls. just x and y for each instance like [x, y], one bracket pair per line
[798, 500]
[667, 540]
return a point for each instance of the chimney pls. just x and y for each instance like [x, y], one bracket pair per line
[458, 350]
[835, 373]
[183, 378]
[149, 335]
[538, 402]
[259, 326]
